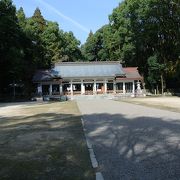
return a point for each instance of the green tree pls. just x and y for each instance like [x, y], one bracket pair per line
[21, 18]
[39, 23]
[89, 52]
[71, 48]
[35, 26]
[29, 44]
[122, 41]
[93, 46]
[155, 71]
[144, 28]
[52, 43]
[11, 52]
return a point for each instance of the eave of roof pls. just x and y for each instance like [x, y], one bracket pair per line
[135, 78]
[45, 76]
[132, 73]
[86, 63]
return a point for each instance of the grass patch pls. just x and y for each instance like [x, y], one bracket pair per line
[43, 141]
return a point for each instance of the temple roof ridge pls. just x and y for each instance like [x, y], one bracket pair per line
[87, 63]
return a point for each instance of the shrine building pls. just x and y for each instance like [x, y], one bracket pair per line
[88, 78]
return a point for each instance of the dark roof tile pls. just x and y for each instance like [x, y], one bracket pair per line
[95, 69]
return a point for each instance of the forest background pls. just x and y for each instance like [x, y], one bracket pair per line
[142, 33]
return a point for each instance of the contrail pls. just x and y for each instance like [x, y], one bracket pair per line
[64, 16]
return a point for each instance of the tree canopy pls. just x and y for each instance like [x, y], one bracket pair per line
[144, 34]
[28, 44]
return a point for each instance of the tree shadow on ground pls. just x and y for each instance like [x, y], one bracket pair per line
[43, 146]
[27, 103]
[140, 148]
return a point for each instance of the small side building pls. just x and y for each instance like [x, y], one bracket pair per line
[88, 78]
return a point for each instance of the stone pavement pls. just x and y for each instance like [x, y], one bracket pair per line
[133, 142]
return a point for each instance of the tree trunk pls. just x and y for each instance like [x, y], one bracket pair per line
[162, 85]
[157, 88]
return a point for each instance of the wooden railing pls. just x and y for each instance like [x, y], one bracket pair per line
[92, 92]
[55, 93]
[110, 91]
[88, 92]
[67, 93]
[119, 91]
[76, 92]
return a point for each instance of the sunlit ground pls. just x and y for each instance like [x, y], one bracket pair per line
[167, 103]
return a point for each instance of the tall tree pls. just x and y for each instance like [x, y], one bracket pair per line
[21, 18]
[52, 43]
[36, 25]
[155, 70]
[138, 31]
[28, 44]
[123, 45]
[71, 48]
[39, 23]
[10, 48]
[93, 46]
[155, 26]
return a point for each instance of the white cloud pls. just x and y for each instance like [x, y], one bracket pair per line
[50, 7]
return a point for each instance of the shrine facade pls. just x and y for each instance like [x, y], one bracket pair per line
[88, 78]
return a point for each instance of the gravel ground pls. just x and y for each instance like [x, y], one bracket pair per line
[133, 142]
[167, 103]
[43, 141]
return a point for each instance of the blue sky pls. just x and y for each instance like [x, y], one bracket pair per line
[78, 16]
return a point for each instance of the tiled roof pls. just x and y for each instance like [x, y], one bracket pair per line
[45, 75]
[131, 73]
[92, 69]
[88, 70]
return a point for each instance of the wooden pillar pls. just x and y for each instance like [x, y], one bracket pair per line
[71, 88]
[124, 88]
[50, 89]
[60, 89]
[94, 87]
[114, 86]
[39, 89]
[105, 86]
[133, 90]
[82, 88]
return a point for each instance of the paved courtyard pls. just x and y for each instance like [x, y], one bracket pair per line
[133, 142]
